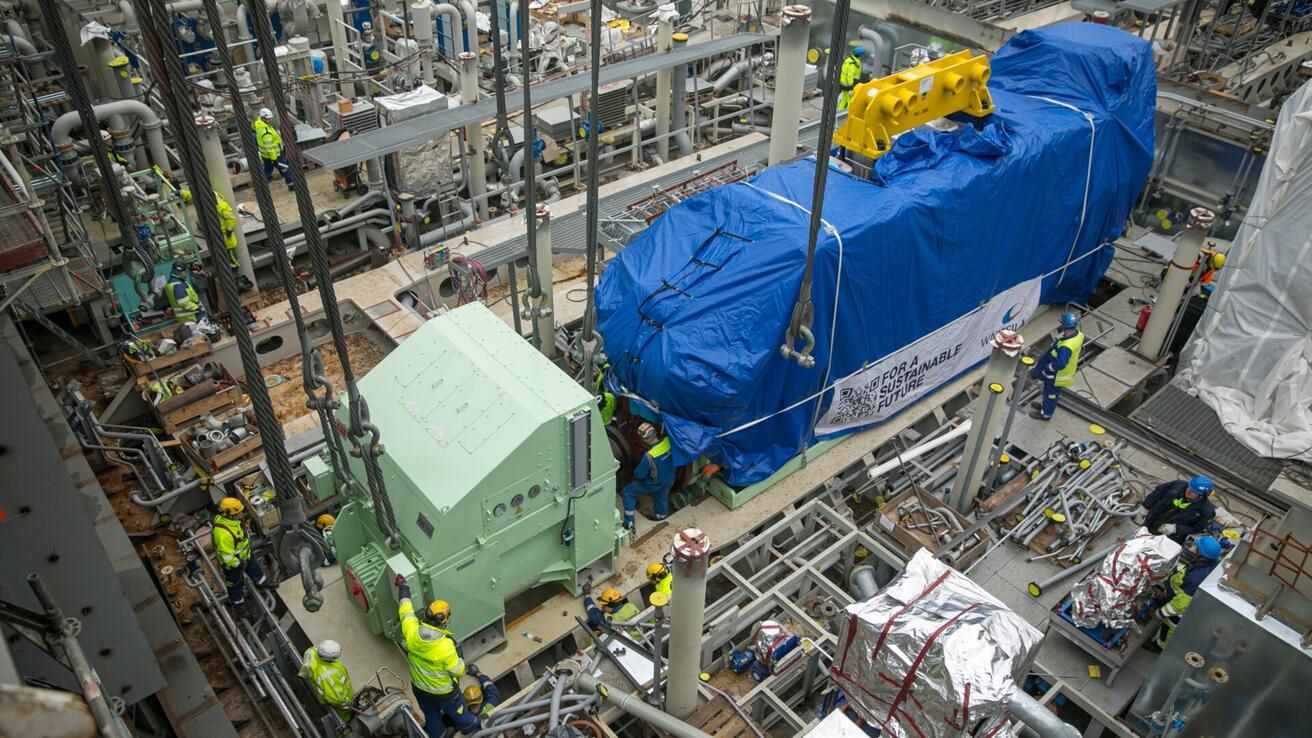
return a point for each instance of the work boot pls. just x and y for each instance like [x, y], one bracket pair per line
[1036, 405]
[1038, 415]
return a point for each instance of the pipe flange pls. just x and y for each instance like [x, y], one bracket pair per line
[1194, 659]
[793, 13]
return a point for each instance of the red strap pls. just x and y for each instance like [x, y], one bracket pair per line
[879, 645]
[915, 665]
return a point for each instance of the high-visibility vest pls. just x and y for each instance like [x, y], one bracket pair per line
[435, 666]
[227, 221]
[182, 298]
[230, 542]
[656, 452]
[606, 400]
[1066, 375]
[268, 140]
[851, 73]
[330, 680]
[665, 584]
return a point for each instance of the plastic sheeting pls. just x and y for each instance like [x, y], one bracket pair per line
[1249, 358]
[933, 655]
[961, 234]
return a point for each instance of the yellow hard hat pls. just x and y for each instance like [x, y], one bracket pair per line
[325, 521]
[1218, 260]
[474, 697]
[439, 612]
[610, 596]
[231, 506]
[657, 571]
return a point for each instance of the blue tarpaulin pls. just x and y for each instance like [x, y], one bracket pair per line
[694, 311]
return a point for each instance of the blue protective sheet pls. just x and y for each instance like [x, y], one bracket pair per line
[693, 312]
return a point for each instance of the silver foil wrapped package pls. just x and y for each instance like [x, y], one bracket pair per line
[933, 655]
[1110, 594]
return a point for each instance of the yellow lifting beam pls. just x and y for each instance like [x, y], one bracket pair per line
[883, 108]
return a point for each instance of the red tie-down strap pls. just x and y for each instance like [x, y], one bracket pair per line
[920, 657]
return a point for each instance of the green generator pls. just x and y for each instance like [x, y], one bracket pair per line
[499, 478]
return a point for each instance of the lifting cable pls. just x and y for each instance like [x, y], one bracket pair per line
[536, 299]
[799, 328]
[360, 426]
[318, 389]
[501, 140]
[593, 124]
[166, 64]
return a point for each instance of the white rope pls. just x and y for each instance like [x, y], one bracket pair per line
[1088, 176]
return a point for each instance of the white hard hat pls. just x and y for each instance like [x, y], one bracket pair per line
[266, 113]
[330, 650]
[647, 432]
[104, 135]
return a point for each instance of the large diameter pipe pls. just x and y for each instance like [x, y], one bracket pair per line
[1187, 252]
[790, 71]
[543, 314]
[474, 143]
[221, 183]
[633, 705]
[998, 375]
[691, 550]
[61, 133]
[422, 15]
[665, 16]
[679, 102]
[1039, 718]
[336, 30]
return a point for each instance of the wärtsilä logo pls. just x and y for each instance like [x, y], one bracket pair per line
[1010, 315]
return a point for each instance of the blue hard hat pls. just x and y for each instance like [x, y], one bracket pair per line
[859, 51]
[1069, 320]
[1201, 485]
[1208, 547]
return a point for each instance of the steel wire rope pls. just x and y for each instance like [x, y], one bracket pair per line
[594, 132]
[313, 376]
[358, 408]
[154, 25]
[538, 294]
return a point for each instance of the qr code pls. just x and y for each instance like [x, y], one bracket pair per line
[855, 403]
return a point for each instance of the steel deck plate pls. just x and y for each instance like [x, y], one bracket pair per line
[1189, 422]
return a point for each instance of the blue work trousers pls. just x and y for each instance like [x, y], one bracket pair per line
[1051, 396]
[236, 583]
[452, 705]
[660, 499]
[281, 165]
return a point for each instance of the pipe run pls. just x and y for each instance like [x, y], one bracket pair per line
[633, 705]
[1038, 717]
[61, 133]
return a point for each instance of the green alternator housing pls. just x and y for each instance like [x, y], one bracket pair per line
[498, 472]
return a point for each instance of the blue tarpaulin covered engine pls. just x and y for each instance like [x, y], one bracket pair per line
[956, 235]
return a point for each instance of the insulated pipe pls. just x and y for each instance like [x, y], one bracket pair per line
[221, 183]
[1187, 253]
[167, 496]
[1039, 718]
[336, 30]
[665, 16]
[679, 101]
[999, 374]
[62, 130]
[921, 450]
[862, 584]
[543, 314]
[474, 142]
[471, 23]
[422, 13]
[736, 70]
[633, 705]
[25, 47]
[691, 550]
[409, 228]
[438, 235]
[452, 14]
[512, 30]
[882, 58]
[790, 70]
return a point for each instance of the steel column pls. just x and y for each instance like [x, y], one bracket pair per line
[691, 551]
[998, 374]
[790, 71]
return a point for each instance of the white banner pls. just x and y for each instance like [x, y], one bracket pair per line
[902, 377]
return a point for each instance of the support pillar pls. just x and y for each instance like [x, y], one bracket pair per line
[679, 102]
[337, 31]
[221, 182]
[665, 16]
[1176, 282]
[789, 74]
[691, 551]
[540, 307]
[474, 141]
[998, 375]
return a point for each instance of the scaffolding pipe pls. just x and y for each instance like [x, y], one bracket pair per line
[634, 706]
[1038, 717]
[691, 550]
[921, 450]
[61, 133]
[790, 72]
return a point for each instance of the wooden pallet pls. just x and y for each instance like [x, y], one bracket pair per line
[175, 420]
[718, 718]
[146, 371]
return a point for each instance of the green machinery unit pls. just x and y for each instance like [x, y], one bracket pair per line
[498, 472]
